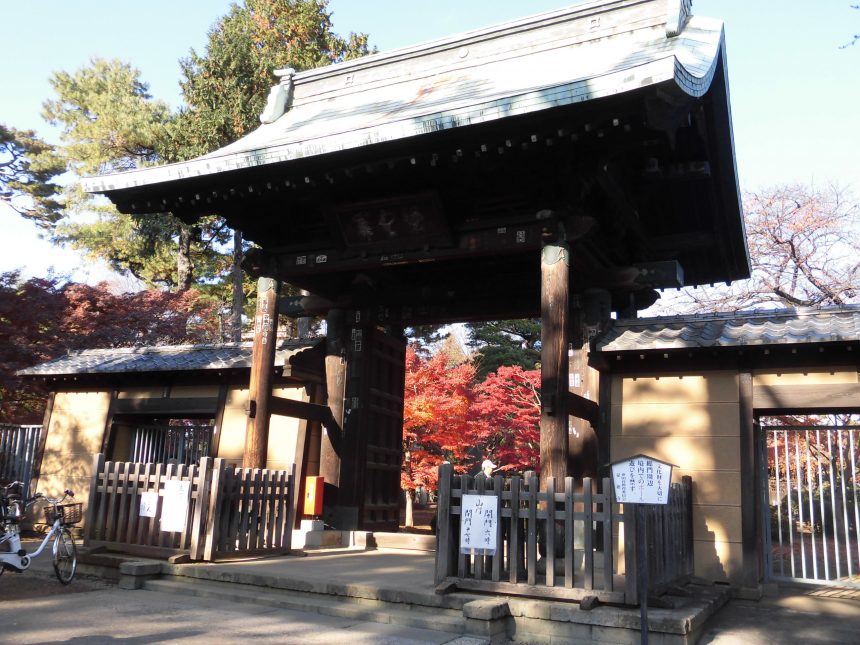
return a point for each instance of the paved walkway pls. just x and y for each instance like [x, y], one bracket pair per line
[798, 614]
[111, 616]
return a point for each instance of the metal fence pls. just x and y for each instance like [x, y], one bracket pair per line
[560, 542]
[19, 448]
[814, 503]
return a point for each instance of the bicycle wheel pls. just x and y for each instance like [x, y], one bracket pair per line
[65, 556]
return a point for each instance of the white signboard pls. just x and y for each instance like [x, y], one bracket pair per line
[478, 522]
[641, 480]
[148, 503]
[174, 509]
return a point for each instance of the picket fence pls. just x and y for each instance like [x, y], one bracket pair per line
[561, 542]
[230, 511]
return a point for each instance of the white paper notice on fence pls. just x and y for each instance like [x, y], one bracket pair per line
[174, 509]
[479, 519]
[148, 503]
[641, 480]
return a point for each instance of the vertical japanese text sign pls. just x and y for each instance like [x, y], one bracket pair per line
[479, 518]
[641, 480]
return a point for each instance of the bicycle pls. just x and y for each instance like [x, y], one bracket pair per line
[60, 516]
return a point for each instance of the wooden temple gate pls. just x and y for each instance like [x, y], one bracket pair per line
[563, 166]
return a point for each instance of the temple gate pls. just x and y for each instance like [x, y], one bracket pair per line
[561, 166]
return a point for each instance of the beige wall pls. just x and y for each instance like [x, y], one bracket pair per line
[283, 431]
[693, 421]
[75, 433]
[77, 425]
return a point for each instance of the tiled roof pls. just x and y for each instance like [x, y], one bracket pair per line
[581, 53]
[167, 358]
[773, 327]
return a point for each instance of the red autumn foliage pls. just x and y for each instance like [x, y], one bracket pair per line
[448, 417]
[40, 319]
[507, 418]
[436, 417]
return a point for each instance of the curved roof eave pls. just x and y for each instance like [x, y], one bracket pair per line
[513, 74]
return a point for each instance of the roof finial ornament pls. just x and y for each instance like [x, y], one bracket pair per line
[677, 12]
[279, 96]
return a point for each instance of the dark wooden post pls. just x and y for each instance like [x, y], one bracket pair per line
[262, 368]
[554, 361]
[335, 378]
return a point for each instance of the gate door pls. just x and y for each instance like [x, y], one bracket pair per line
[812, 516]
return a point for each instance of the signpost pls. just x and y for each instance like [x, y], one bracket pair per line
[478, 521]
[641, 480]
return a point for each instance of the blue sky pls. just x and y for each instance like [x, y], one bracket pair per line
[795, 93]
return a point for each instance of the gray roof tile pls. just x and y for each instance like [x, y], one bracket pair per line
[166, 358]
[765, 327]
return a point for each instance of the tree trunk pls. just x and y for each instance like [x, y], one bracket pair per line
[409, 522]
[235, 326]
[184, 266]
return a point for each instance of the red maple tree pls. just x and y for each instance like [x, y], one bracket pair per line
[42, 318]
[436, 417]
[507, 418]
[448, 417]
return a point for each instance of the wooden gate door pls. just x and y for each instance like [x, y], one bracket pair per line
[373, 428]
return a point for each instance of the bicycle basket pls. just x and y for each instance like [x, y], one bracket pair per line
[68, 513]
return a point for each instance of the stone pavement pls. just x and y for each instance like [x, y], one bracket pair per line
[799, 614]
[109, 616]
[789, 614]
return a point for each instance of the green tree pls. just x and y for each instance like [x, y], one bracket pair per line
[111, 123]
[28, 167]
[505, 343]
[225, 88]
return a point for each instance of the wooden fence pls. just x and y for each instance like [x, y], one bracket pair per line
[538, 552]
[230, 511]
[19, 453]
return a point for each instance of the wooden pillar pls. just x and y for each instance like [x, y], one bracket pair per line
[554, 361]
[335, 378]
[262, 370]
[751, 538]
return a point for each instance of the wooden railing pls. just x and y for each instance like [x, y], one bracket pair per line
[230, 511]
[558, 542]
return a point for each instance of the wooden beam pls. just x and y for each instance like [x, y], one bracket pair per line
[302, 410]
[582, 408]
[262, 371]
[161, 405]
[809, 398]
[554, 361]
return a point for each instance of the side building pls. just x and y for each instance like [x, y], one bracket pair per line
[759, 408]
[170, 404]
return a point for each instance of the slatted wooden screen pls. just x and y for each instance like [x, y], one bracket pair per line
[535, 520]
[19, 452]
[231, 511]
[253, 511]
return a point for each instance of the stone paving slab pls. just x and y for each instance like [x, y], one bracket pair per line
[792, 615]
[136, 617]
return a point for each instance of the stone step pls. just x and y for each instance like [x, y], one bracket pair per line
[438, 619]
[412, 541]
